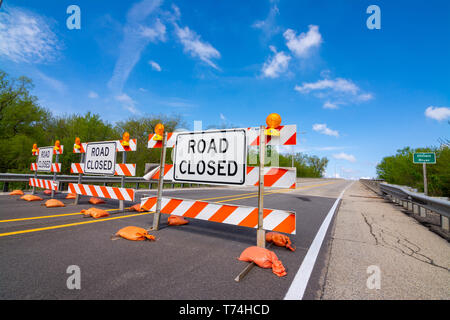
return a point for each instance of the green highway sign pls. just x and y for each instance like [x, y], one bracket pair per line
[424, 157]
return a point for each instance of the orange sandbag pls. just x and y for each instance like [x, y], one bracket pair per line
[94, 200]
[137, 207]
[16, 193]
[134, 233]
[176, 221]
[71, 196]
[31, 197]
[53, 203]
[47, 192]
[280, 240]
[95, 213]
[263, 258]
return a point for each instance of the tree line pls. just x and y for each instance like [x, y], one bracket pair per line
[23, 122]
[399, 169]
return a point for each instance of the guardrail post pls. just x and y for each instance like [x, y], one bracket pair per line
[445, 223]
[423, 212]
[415, 208]
[260, 233]
[5, 186]
[157, 214]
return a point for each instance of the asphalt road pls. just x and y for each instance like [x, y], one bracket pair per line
[194, 261]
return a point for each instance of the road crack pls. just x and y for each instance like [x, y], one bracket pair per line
[397, 242]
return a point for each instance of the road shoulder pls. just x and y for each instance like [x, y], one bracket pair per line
[373, 237]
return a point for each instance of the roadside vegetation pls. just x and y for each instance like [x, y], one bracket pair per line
[23, 122]
[399, 169]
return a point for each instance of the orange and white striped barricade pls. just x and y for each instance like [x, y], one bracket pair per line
[120, 169]
[273, 177]
[122, 194]
[273, 220]
[287, 137]
[44, 163]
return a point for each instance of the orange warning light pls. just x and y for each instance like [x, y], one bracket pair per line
[77, 143]
[273, 121]
[35, 148]
[159, 130]
[57, 145]
[125, 139]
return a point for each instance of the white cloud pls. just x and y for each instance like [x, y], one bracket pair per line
[302, 45]
[197, 48]
[26, 36]
[127, 102]
[93, 95]
[52, 82]
[155, 66]
[338, 85]
[276, 65]
[137, 34]
[341, 91]
[345, 156]
[323, 129]
[330, 105]
[222, 117]
[268, 25]
[437, 113]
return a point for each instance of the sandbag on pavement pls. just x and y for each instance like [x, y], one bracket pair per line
[95, 213]
[71, 196]
[94, 200]
[137, 207]
[31, 197]
[176, 221]
[53, 203]
[16, 193]
[280, 240]
[263, 258]
[135, 234]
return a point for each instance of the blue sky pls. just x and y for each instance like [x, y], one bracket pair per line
[358, 94]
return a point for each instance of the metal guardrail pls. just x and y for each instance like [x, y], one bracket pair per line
[413, 201]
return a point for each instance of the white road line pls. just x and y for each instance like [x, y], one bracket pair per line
[301, 279]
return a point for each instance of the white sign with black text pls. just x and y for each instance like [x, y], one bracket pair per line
[100, 158]
[45, 159]
[211, 157]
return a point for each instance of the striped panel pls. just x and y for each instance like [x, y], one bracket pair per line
[121, 148]
[82, 149]
[44, 184]
[288, 136]
[273, 177]
[122, 169]
[60, 151]
[274, 220]
[171, 139]
[102, 192]
[125, 169]
[56, 167]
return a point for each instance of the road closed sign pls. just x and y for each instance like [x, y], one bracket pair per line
[211, 157]
[100, 158]
[45, 159]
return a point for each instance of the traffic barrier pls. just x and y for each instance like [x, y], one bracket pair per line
[45, 184]
[273, 220]
[102, 192]
[46, 164]
[287, 137]
[119, 147]
[122, 169]
[56, 167]
[273, 177]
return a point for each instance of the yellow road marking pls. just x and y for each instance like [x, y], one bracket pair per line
[136, 214]
[51, 216]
